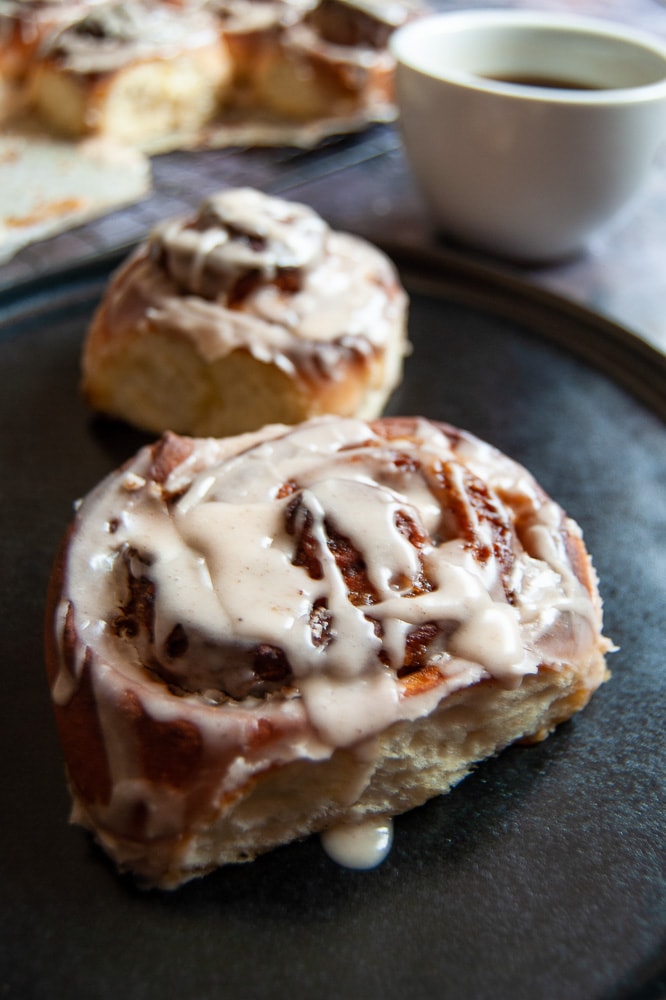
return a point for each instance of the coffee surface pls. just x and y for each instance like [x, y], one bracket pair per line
[551, 82]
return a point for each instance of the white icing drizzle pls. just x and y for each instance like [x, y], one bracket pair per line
[30, 23]
[236, 231]
[111, 35]
[222, 561]
[248, 16]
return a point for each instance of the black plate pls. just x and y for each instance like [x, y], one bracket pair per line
[541, 876]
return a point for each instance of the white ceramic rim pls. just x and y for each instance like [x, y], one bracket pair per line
[404, 49]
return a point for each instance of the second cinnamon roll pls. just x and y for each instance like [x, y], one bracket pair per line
[252, 311]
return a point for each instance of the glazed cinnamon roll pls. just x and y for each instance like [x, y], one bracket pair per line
[334, 61]
[307, 629]
[253, 311]
[252, 30]
[26, 25]
[137, 71]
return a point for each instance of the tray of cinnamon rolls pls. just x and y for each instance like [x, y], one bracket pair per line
[163, 74]
[349, 588]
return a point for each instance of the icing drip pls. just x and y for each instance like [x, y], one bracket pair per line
[359, 845]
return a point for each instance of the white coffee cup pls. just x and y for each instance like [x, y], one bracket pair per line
[513, 152]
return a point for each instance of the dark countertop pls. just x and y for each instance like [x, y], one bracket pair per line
[362, 183]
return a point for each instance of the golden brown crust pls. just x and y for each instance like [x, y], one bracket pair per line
[139, 102]
[230, 396]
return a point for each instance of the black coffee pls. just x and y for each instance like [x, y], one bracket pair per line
[551, 82]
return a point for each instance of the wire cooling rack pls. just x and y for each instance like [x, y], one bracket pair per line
[181, 179]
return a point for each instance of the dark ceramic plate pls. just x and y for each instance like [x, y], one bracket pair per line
[540, 876]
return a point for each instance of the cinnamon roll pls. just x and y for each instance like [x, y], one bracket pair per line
[334, 61]
[26, 25]
[252, 31]
[137, 71]
[307, 629]
[253, 311]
